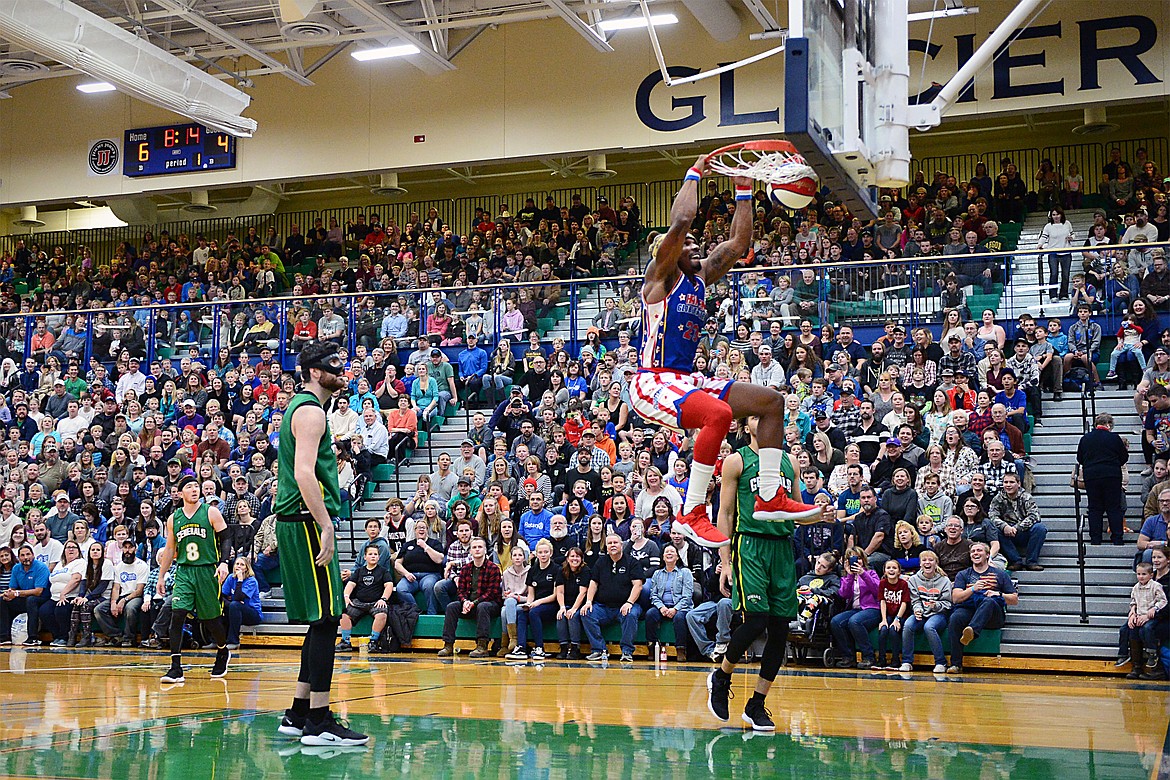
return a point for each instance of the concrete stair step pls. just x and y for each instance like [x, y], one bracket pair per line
[1042, 610]
[1070, 619]
[1069, 576]
[1099, 636]
[280, 629]
[1046, 590]
[1047, 649]
[1105, 555]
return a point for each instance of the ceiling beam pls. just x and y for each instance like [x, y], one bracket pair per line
[762, 14]
[577, 23]
[437, 34]
[383, 18]
[181, 8]
[338, 49]
[460, 176]
[454, 52]
[295, 61]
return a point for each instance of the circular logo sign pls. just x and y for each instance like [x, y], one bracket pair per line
[103, 157]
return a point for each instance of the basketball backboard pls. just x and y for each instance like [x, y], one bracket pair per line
[834, 74]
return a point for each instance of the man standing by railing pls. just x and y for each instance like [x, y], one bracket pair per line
[1101, 456]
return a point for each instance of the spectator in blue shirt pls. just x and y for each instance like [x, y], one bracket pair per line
[28, 581]
[394, 324]
[536, 523]
[473, 364]
[241, 594]
[845, 343]
[1153, 532]
[1013, 400]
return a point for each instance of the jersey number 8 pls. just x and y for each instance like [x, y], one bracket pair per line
[192, 551]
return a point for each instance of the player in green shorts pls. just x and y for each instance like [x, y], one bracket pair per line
[197, 541]
[308, 498]
[758, 572]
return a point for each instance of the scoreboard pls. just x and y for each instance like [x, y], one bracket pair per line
[154, 151]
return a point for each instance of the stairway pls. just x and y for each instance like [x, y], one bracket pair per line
[1022, 295]
[1047, 620]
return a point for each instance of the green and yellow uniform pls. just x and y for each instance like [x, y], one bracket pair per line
[762, 559]
[197, 556]
[311, 592]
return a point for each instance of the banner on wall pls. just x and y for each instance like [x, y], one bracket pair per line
[104, 159]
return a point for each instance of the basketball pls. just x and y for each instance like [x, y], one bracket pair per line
[793, 195]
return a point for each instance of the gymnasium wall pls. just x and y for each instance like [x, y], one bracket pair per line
[537, 89]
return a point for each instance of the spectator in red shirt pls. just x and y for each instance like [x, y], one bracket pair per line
[304, 330]
[894, 605]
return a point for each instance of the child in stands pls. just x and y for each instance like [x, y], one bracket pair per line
[814, 590]
[894, 604]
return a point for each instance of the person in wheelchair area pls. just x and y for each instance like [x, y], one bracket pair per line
[815, 590]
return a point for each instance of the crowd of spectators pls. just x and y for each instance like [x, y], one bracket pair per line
[916, 437]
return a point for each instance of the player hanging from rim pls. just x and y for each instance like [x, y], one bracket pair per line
[666, 390]
[758, 572]
[308, 498]
[197, 540]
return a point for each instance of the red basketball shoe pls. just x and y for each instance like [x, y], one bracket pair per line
[696, 526]
[781, 507]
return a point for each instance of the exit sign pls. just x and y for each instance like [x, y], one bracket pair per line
[420, 139]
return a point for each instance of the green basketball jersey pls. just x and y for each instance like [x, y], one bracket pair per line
[749, 488]
[195, 538]
[288, 492]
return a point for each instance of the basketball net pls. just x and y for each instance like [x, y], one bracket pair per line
[775, 167]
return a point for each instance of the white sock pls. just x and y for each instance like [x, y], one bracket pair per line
[700, 480]
[770, 460]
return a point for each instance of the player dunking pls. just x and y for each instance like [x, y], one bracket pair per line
[198, 542]
[666, 390]
[760, 569]
[308, 498]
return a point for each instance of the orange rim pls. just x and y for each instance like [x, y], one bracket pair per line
[764, 145]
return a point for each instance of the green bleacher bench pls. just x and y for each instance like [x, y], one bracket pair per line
[431, 627]
[857, 309]
[987, 643]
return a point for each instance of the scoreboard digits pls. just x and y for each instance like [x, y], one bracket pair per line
[154, 151]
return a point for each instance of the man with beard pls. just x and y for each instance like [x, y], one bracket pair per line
[562, 539]
[308, 498]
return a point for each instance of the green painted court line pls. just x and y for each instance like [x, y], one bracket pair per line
[244, 744]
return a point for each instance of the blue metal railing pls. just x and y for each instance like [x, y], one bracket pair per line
[856, 293]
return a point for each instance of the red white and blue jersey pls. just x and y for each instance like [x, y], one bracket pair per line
[672, 327]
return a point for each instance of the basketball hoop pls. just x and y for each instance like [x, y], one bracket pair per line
[789, 180]
[774, 162]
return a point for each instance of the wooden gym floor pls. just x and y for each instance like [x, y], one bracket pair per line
[104, 714]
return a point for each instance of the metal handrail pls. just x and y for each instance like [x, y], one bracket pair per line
[619, 278]
[1088, 414]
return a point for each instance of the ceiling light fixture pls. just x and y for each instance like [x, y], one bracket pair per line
[636, 22]
[384, 52]
[94, 87]
[78, 38]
